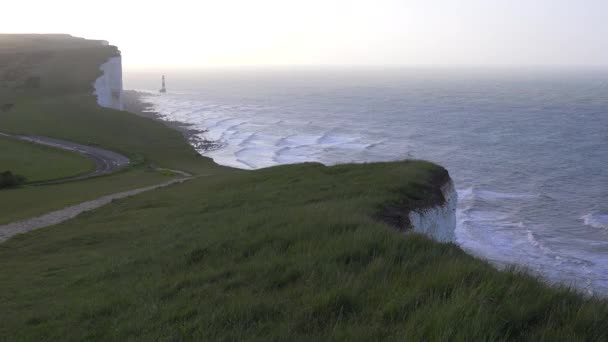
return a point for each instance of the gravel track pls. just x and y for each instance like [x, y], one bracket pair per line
[106, 162]
[55, 217]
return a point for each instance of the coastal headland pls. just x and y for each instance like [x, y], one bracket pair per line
[293, 252]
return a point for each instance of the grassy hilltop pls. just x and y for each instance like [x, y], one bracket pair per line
[61, 106]
[285, 253]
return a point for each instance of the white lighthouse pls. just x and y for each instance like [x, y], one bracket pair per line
[163, 89]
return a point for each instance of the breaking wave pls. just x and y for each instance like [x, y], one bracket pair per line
[596, 220]
[535, 207]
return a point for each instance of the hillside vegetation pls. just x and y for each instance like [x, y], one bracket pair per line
[38, 163]
[285, 253]
[62, 107]
[294, 252]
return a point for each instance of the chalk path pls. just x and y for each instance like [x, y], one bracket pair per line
[106, 162]
[55, 217]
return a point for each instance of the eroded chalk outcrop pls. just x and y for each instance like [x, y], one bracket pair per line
[438, 222]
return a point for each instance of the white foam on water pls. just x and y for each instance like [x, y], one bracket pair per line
[489, 195]
[596, 220]
[486, 230]
[488, 222]
[251, 141]
[332, 137]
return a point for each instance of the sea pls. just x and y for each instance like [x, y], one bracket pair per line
[527, 148]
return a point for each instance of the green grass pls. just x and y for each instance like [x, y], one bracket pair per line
[64, 108]
[38, 163]
[29, 201]
[287, 253]
[78, 118]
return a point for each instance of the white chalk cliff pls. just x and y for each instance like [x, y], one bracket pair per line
[108, 87]
[439, 222]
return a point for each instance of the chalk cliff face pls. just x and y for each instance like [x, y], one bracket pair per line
[108, 87]
[438, 222]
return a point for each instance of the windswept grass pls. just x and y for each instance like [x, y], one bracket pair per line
[287, 253]
[78, 118]
[63, 107]
[30, 201]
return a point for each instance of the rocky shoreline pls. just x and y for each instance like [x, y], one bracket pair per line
[133, 102]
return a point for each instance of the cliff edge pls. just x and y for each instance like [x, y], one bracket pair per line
[438, 222]
[108, 86]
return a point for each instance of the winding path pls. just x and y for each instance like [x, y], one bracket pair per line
[106, 162]
[55, 217]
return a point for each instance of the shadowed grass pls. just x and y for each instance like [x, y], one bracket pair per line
[63, 107]
[29, 201]
[76, 117]
[286, 253]
[37, 163]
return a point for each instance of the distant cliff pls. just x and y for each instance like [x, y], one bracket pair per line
[56, 63]
[108, 87]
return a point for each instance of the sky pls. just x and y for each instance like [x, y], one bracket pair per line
[186, 34]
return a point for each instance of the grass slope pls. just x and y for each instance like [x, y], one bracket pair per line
[286, 253]
[30, 201]
[38, 163]
[63, 107]
[77, 117]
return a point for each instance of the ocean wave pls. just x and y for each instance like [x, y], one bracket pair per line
[505, 241]
[596, 220]
[294, 140]
[535, 241]
[473, 193]
[332, 137]
[235, 126]
[374, 145]
[222, 123]
[504, 213]
[256, 139]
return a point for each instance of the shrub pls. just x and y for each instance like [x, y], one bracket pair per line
[8, 179]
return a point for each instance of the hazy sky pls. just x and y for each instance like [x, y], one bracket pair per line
[204, 33]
